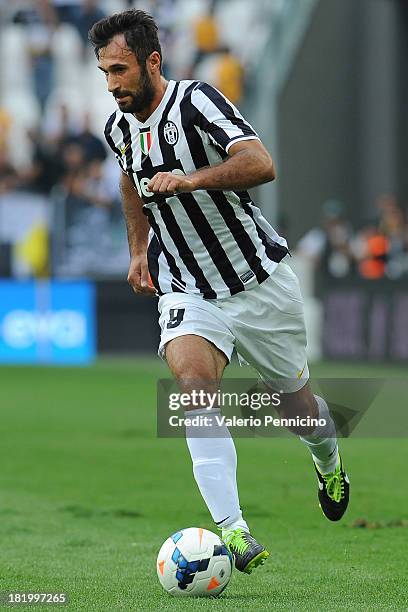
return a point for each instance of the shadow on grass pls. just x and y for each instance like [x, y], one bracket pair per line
[83, 512]
[364, 524]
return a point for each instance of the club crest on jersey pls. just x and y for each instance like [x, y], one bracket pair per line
[171, 133]
[145, 141]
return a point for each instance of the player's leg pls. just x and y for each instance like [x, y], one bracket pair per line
[322, 442]
[198, 365]
[197, 343]
[270, 335]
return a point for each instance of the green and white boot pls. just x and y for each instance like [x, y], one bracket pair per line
[334, 492]
[247, 552]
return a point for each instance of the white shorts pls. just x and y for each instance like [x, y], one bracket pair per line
[265, 325]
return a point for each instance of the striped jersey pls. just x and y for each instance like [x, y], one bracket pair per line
[210, 243]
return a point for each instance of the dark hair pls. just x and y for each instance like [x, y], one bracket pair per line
[139, 28]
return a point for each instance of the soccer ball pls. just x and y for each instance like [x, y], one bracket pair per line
[194, 562]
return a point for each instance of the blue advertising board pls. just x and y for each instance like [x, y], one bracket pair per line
[47, 322]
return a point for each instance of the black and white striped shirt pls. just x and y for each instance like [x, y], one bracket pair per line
[210, 243]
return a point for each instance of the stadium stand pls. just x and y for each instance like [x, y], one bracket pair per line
[59, 91]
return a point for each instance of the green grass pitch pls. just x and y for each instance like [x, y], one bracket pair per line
[88, 494]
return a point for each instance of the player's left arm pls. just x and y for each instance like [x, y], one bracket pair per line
[248, 165]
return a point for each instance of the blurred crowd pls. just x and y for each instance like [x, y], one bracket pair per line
[61, 160]
[70, 172]
[207, 52]
[375, 250]
[60, 208]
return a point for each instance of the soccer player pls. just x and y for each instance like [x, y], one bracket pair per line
[188, 157]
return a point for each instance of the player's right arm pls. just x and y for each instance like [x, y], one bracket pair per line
[138, 235]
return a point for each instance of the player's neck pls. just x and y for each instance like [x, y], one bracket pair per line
[158, 97]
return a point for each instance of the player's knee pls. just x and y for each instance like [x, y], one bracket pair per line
[195, 378]
[188, 371]
[198, 383]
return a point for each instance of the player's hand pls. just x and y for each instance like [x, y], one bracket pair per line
[138, 276]
[169, 183]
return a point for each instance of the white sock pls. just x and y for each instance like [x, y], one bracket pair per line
[214, 459]
[322, 443]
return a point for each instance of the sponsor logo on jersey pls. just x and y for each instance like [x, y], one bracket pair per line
[143, 178]
[171, 134]
[145, 141]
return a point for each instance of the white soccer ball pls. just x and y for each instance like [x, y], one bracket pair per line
[194, 562]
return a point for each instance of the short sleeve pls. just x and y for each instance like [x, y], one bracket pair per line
[219, 118]
[109, 140]
[120, 162]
